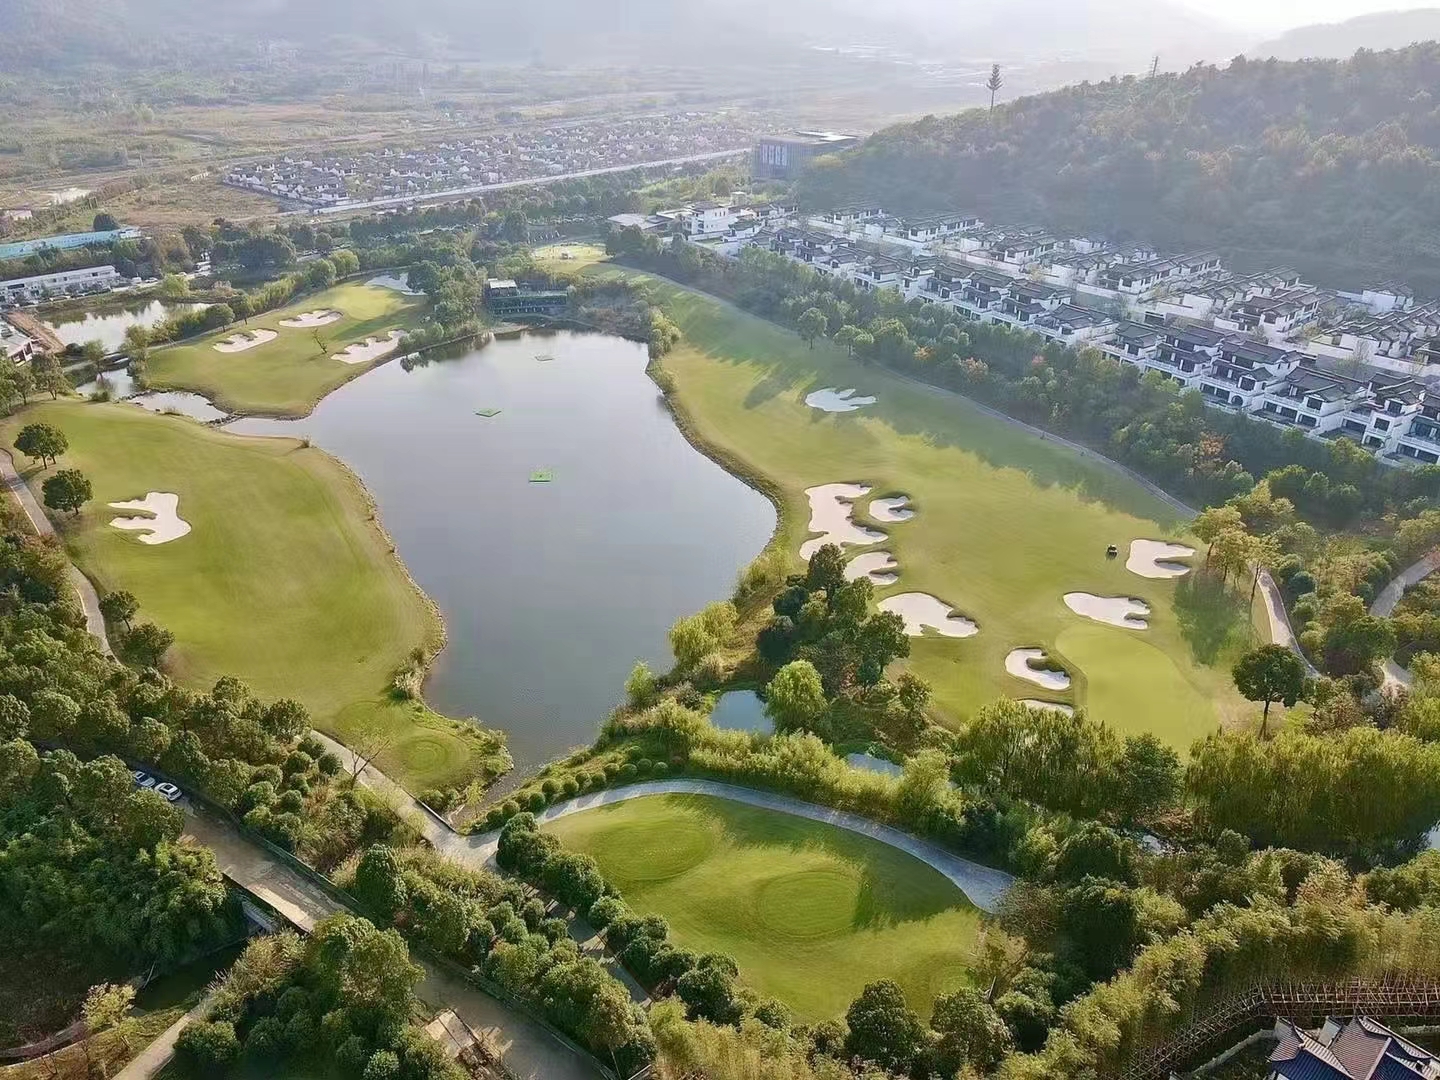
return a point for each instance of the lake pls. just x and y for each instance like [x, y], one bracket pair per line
[552, 590]
[108, 324]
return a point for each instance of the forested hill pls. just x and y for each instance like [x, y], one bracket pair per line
[1381, 30]
[1330, 166]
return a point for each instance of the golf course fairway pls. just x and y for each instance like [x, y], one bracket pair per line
[285, 580]
[810, 912]
[1005, 522]
[289, 374]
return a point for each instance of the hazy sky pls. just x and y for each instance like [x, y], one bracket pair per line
[1280, 14]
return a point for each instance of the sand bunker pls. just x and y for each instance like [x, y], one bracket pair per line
[164, 526]
[246, 339]
[313, 318]
[833, 400]
[1048, 706]
[1020, 663]
[1123, 611]
[400, 285]
[893, 510]
[875, 565]
[830, 508]
[1148, 559]
[921, 611]
[362, 352]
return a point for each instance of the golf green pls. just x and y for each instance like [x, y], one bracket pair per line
[285, 579]
[811, 913]
[289, 374]
[1006, 522]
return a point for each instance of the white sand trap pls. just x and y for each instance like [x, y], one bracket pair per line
[246, 339]
[921, 611]
[362, 352]
[164, 526]
[1122, 611]
[1019, 663]
[400, 285]
[833, 400]
[1148, 559]
[893, 510]
[830, 508]
[875, 565]
[313, 318]
[1048, 706]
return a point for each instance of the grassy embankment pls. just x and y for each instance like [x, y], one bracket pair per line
[291, 374]
[811, 913]
[1006, 524]
[286, 580]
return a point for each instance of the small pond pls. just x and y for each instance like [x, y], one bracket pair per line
[551, 590]
[741, 710]
[107, 324]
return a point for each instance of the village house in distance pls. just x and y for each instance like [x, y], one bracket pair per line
[1360, 363]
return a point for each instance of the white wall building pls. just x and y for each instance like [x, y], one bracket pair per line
[88, 279]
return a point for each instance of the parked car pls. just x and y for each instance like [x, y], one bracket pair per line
[169, 792]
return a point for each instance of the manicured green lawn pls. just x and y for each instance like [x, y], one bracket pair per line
[289, 375]
[811, 913]
[285, 580]
[1006, 524]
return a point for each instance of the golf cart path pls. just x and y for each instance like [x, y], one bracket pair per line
[40, 522]
[984, 885]
[158, 1054]
[527, 1049]
[1389, 598]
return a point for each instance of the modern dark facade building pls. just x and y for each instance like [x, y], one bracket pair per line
[508, 299]
[784, 157]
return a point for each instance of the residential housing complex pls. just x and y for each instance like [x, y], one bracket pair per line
[1363, 365]
[332, 180]
[1356, 1049]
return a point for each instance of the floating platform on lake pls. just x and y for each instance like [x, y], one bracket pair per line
[543, 358]
[542, 476]
[487, 413]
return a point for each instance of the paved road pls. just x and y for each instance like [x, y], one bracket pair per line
[528, 1050]
[40, 522]
[158, 1054]
[984, 885]
[430, 826]
[1389, 598]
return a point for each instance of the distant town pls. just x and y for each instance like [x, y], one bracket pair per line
[374, 177]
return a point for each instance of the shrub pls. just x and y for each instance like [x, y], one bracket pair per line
[550, 787]
[612, 770]
[627, 771]
[383, 1065]
[570, 786]
[661, 768]
[266, 1038]
[644, 765]
[208, 1047]
[605, 911]
[536, 800]
[495, 818]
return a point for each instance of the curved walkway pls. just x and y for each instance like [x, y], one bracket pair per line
[984, 885]
[1389, 598]
[40, 522]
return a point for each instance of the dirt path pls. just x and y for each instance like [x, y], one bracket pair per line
[984, 885]
[40, 522]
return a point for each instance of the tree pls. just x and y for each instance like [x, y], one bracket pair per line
[174, 287]
[42, 442]
[795, 697]
[68, 490]
[1270, 673]
[119, 607]
[845, 338]
[49, 376]
[1212, 522]
[994, 83]
[380, 883]
[107, 1006]
[1150, 777]
[812, 324]
[826, 571]
[970, 1030]
[147, 644]
[1232, 550]
[208, 1047]
[883, 1030]
[105, 222]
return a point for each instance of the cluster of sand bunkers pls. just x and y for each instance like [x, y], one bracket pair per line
[164, 523]
[361, 352]
[832, 508]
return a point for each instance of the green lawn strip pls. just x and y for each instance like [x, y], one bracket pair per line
[291, 374]
[1007, 522]
[810, 912]
[285, 581]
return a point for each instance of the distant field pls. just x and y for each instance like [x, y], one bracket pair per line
[811, 913]
[284, 580]
[289, 375]
[1006, 523]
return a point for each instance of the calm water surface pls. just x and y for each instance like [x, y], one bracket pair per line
[550, 591]
[108, 324]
